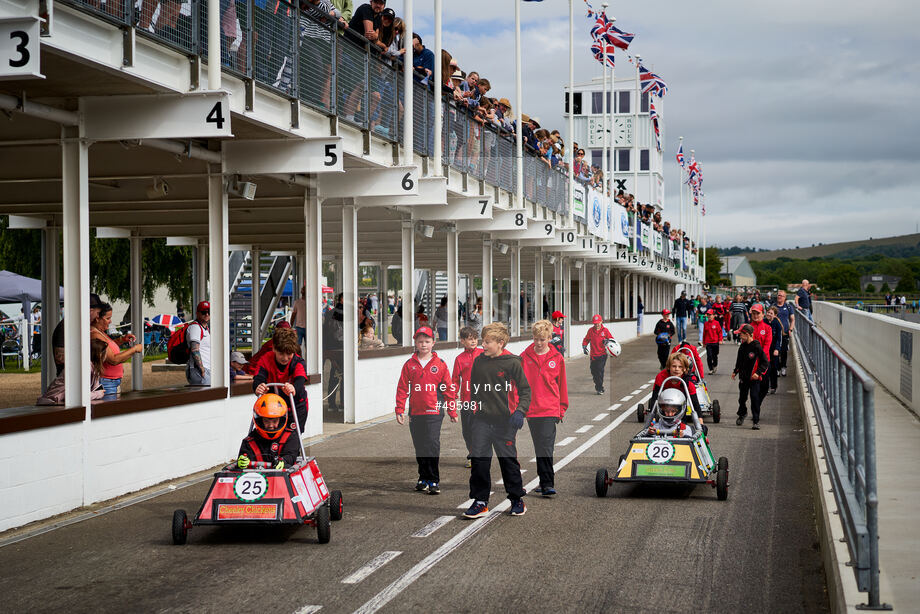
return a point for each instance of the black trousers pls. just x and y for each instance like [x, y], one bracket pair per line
[499, 437]
[664, 350]
[466, 427]
[712, 355]
[751, 387]
[426, 437]
[783, 351]
[543, 434]
[771, 375]
[597, 371]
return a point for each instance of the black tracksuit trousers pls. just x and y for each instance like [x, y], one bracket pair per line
[543, 434]
[745, 388]
[598, 365]
[712, 355]
[663, 352]
[426, 437]
[488, 436]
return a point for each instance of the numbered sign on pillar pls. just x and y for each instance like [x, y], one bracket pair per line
[158, 116]
[567, 237]
[19, 48]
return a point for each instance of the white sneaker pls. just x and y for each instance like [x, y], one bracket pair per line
[783, 372]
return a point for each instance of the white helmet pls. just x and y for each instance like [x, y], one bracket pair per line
[612, 347]
[670, 408]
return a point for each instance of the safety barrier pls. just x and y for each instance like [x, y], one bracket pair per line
[844, 398]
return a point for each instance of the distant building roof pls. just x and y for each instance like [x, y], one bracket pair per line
[730, 264]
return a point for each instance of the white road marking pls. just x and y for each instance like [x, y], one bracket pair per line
[636, 391]
[615, 406]
[404, 581]
[651, 381]
[309, 609]
[585, 428]
[371, 566]
[533, 460]
[598, 417]
[644, 386]
[433, 526]
[626, 398]
[565, 442]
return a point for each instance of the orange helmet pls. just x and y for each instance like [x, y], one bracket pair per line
[270, 406]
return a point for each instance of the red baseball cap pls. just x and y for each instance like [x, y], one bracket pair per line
[597, 319]
[423, 330]
[757, 307]
[203, 306]
[282, 324]
[665, 312]
[558, 314]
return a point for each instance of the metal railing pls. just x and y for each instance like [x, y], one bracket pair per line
[844, 398]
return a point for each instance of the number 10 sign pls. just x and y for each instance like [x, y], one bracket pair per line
[19, 48]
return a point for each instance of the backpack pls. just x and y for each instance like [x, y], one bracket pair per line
[663, 339]
[176, 348]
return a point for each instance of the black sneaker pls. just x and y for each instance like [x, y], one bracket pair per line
[756, 427]
[548, 491]
[421, 486]
[477, 510]
[433, 488]
[738, 422]
[518, 508]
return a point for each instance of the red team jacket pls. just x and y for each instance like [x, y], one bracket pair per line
[712, 332]
[549, 395]
[596, 339]
[463, 364]
[422, 385]
[763, 333]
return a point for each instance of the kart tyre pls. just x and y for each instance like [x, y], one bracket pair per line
[179, 530]
[323, 525]
[722, 479]
[336, 508]
[716, 411]
[600, 483]
[640, 413]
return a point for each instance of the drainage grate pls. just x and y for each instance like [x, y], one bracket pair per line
[907, 353]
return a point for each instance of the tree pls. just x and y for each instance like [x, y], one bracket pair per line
[885, 288]
[20, 250]
[870, 288]
[713, 265]
[907, 283]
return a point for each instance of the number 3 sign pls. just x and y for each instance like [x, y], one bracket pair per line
[19, 48]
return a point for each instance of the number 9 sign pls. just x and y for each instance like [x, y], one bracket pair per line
[250, 486]
[659, 451]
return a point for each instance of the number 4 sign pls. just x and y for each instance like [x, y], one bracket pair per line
[19, 48]
[157, 116]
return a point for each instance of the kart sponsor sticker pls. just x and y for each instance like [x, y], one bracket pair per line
[250, 486]
[306, 490]
[247, 511]
[225, 480]
[660, 451]
[661, 471]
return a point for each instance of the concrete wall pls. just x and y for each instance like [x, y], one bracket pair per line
[49, 471]
[875, 342]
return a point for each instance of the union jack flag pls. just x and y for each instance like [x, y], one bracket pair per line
[617, 37]
[598, 48]
[653, 115]
[651, 83]
[680, 156]
[599, 29]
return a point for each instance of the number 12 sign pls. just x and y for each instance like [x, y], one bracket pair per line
[19, 48]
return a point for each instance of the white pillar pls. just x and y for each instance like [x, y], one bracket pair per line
[438, 95]
[350, 307]
[383, 319]
[453, 278]
[582, 292]
[214, 38]
[634, 305]
[519, 105]
[408, 282]
[595, 290]
[635, 160]
[515, 291]
[486, 281]
[607, 311]
[313, 259]
[201, 276]
[218, 217]
[408, 87]
[255, 287]
[538, 286]
[557, 278]
[51, 300]
[137, 312]
[567, 307]
[570, 136]
[75, 205]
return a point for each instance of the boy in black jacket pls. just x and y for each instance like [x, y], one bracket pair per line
[664, 330]
[773, 352]
[500, 397]
[751, 365]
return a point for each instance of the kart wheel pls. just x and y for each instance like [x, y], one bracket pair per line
[722, 479]
[640, 413]
[179, 528]
[323, 526]
[716, 411]
[600, 483]
[335, 505]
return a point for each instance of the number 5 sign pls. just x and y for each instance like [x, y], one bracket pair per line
[19, 48]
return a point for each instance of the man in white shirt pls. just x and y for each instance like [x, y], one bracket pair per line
[198, 337]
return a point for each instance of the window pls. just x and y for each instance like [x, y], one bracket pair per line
[597, 102]
[644, 107]
[622, 159]
[597, 157]
[576, 102]
[643, 159]
[623, 102]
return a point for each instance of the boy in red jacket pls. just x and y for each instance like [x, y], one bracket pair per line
[712, 337]
[544, 368]
[596, 336]
[425, 381]
[460, 376]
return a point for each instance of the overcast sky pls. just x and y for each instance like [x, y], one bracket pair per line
[805, 115]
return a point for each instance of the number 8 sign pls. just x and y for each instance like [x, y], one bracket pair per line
[659, 451]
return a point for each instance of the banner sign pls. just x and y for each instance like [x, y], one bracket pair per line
[647, 236]
[578, 207]
[659, 243]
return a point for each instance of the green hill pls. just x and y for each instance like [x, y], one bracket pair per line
[903, 246]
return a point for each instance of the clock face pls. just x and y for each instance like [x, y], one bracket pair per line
[622, 131]
[595, 132]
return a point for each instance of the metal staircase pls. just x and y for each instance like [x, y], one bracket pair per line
[275, 274]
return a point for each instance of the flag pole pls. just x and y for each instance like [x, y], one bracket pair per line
[691, 221]
[680, 188]
[605, 146]
[636, 132]
[518, 100]
[571, 123]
